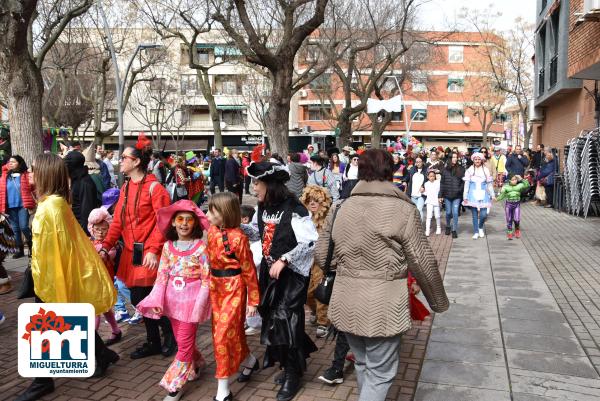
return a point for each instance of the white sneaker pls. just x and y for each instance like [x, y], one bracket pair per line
[438, 231]
[481, 233]
[250, 331]
[475, 236]
[175, 397]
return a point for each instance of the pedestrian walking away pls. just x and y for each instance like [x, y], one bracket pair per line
[370, 296]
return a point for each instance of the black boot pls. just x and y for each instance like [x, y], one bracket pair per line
[37, 389]
[169, 347]
[30, 247]
[290, 387]
[20, 253]
[147, 349]
[104, 361]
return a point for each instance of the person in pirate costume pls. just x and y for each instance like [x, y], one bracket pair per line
[288, 238]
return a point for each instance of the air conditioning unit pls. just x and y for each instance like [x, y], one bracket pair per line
[306, 130]
[591, 7]
[303, 93]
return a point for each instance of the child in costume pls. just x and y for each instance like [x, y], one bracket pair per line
[233, 281]
[181, 290]
[432, 192]
[318, 202]
[98, 222]
[512, 191]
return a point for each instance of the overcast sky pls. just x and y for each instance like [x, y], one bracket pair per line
[442, 14]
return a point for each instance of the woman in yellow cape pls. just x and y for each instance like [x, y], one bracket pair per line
[64, 264]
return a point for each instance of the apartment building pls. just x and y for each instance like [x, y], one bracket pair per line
[439, 106]
[567, 67]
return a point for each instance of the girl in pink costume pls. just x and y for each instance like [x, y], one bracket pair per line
[98, 222]
[181, 290]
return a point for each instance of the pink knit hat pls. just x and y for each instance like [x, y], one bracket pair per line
[165, 215]
[97, 216]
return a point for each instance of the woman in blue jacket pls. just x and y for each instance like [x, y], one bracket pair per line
[546, 178]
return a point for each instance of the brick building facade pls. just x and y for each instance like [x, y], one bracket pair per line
[440, 105]
[567, 68]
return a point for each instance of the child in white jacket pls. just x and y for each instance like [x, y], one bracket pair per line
[432, 192]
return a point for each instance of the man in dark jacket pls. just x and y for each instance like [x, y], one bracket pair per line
[451, 190]
[233, 175]
[298, 175]
[516, 163]
[83, 190]
[217, 172]
[538, 157]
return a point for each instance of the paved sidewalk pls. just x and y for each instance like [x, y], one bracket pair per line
[138, 380]
[504, 336]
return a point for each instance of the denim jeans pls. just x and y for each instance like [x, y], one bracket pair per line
[452, 206]
[420, 202]
[479, 216]
[123, 296]
[19, 222]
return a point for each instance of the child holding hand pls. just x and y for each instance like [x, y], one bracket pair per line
[233, 281]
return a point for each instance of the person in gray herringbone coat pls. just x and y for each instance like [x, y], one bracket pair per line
[378, 239]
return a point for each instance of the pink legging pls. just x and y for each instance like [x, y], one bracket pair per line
[110, 318]
[185, 335]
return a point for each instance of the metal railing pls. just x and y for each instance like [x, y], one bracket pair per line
[541, 81]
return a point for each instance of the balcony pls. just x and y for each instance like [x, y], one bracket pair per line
[553, 70]
[541, 81]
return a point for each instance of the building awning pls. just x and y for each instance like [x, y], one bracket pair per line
[227, 51]
[205, 46]
[231, 107]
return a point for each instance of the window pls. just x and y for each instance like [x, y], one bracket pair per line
[455, 54]
[156, 113]
[228, 85]
[111, 115]
[455, 116]
[234, 117]
[319, 112]
[203, 56]
[158, 84]
[418, 114]
[188, 83]
[455, 85]
[419, 83]
[321, 83]
[311, 53]
[500, 118]
[396, 116]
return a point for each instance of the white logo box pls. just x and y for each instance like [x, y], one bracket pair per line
[69, 352]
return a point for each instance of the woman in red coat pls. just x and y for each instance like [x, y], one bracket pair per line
[16, 200]
[135, 220]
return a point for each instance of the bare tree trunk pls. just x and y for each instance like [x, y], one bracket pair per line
[345, 126]
[378, 126]
[24, 97]
[206, 89]
[278, 116]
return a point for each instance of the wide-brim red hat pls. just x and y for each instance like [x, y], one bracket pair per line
[165, 215]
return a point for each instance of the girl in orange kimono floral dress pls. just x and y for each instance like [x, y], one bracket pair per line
[233, 280]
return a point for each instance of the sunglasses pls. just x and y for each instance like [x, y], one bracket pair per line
[123, 157]
[184, 219]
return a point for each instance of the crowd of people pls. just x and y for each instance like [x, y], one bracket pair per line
[148, 250]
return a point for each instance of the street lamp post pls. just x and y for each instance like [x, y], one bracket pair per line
[120, 84]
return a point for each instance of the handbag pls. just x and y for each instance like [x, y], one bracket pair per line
[325, 287]
[26, 290]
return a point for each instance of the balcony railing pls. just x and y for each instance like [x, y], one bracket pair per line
[541, 81]
[553, 70]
